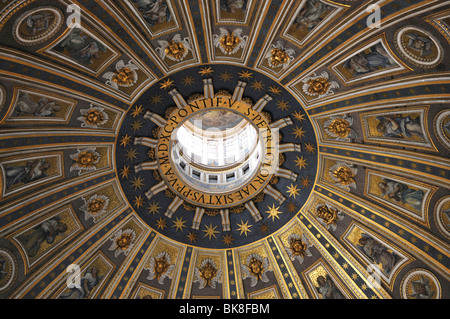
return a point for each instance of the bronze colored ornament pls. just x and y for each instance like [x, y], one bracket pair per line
[161, 266]
[212, 212]
[125, 77]
[256, 267]
[278, 57]
[208, 272]
[123, 242]
[344, 175]
[327, 214]
[318, 86]
[86, 159]
[94, 117]
[237, 209]
[229, 42]
[340, 127]
[297, 247]
[175, 50]
[96, 205]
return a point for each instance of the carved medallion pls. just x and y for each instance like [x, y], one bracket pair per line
[38, 25]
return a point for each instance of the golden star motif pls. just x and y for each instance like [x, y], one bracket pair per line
[166, 84]
[299, 132]
[291, 207]
[228, 240]
[138, 201]
[125, 171]
[131, 154]
[244, 228]
[257, 86]
[188, 80]
[305, 181]
[161, 223]
[226, 76]
[275, 90]
[125, 140]
[298, 116]
[283, 105]
[245, 74]
[206, 71]
[156, 99]
[264, 228]
[136, 125]
[179, 224]
[273, 212]
[137, 182]
[300, 162]
[138, 110]
[210, 231]
[293, 190]
[192, 237]
[310, 148]
[154, 208]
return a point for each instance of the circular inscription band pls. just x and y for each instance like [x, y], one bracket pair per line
[223, 198]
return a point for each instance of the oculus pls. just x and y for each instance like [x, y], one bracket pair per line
[171, 167]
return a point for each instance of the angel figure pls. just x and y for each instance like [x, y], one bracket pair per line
[230, 42]
[31, 171]
[319, 85]
[44, 232]
[378, 253]
[422, 288]
[176, 49]
[88, 282]
[279, 56]
[419, 43]
[327, 288]
[125, 75]
[154, 11]
[339, 127]
[298, 247]
[256, 268]
[42, 108]
[160, 267]
[207, 274]
[233, 5]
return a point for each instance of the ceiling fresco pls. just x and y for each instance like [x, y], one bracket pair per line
[350, 100]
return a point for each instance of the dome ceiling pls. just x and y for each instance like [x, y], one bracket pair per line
[353, 175]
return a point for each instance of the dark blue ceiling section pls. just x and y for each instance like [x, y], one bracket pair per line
[225, 77]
